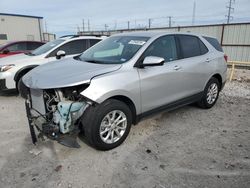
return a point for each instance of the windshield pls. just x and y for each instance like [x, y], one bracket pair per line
[114, 50]
[46, 47]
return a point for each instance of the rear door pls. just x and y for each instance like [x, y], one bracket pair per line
[193, 64]
[182, 75]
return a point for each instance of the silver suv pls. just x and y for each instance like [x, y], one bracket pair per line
[119, 81]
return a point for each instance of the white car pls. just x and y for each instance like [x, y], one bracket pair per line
[13, 68]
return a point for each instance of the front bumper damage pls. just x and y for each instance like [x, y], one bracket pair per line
[60, 122]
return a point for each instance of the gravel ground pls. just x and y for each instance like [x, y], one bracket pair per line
[187, 147]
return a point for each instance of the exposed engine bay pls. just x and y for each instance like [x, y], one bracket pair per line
[56, 114]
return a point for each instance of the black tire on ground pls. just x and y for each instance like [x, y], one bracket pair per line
[18, 83]
[92, 118]
[203, 103]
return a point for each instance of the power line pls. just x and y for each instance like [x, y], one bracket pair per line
[230, 9]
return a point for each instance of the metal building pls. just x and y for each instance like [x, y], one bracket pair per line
[14, 27]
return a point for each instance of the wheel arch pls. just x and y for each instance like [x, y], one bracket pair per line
[219, 78]
[23, 71]
[128, 102]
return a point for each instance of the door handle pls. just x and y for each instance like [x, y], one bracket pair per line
[177, 67]
[207, 60]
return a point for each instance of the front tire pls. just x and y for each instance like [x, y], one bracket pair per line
[107, 125]
[210, 94]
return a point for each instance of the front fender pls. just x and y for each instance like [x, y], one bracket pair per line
[122, 83]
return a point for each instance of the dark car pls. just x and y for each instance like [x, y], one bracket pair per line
[17, 47]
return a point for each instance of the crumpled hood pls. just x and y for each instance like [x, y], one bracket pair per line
[65, 73]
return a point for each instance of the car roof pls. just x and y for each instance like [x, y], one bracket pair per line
[72, 37]
[9, 43]
[17, 41]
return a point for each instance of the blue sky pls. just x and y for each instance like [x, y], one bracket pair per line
[65, 17]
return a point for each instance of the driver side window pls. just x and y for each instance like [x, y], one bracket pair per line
[164, 47]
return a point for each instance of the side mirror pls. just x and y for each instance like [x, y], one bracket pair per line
[60, 54]
[153, 61]
[6, 51]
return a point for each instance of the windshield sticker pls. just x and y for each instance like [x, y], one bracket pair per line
[137, 42]
[122, 59]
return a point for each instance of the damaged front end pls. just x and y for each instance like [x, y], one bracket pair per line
[55, 113]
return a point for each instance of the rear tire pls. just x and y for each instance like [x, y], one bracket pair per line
[210, 94]
[107, 125]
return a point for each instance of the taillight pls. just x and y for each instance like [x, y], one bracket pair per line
[225, 57]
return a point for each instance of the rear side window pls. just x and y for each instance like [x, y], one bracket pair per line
[72, 47]
[191, 46]
[33, 45]
[214, 42]
[22, 46]
[92, 42]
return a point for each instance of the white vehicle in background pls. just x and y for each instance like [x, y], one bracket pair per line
[13, 68]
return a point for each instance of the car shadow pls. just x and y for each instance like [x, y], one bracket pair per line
[9, 93]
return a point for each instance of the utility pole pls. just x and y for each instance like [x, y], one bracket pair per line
[128, 24]
[170, 21]
[149, 23]
[115, 26]
[88, 25]
[46, 27]
[106, 27]
[78, 29]
[230, 9]
[194, 9]
[83, 25]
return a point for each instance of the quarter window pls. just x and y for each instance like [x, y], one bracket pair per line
[164, 47]
[92, 42]
[214, 42]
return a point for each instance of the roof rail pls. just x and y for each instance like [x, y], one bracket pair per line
[72, 36]
[93, 35]
[75, 36]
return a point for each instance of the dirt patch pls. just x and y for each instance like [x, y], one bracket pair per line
[187, 147]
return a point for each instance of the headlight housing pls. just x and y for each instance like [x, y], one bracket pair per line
[4, 68]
